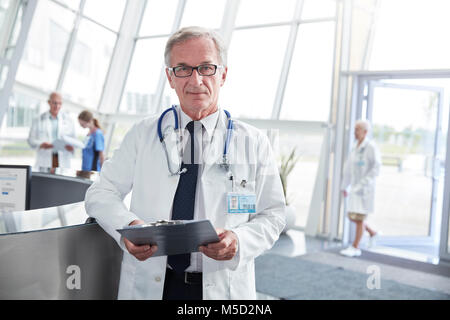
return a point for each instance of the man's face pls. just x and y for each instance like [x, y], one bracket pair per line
[198, 94]
[360, 132]
[55, 103]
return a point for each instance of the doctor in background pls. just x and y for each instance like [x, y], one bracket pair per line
[48, 127]
[358, 184]
[196, 70]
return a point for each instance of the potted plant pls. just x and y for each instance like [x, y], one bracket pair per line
[287, 165]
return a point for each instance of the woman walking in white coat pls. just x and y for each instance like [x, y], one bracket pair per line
[358, 184]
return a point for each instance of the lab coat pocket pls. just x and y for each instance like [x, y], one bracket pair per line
[127, 276]
[243, 282]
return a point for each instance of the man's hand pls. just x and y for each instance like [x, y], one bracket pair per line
[225, 249]
[46, 145]
[345, 193]
[69, 148]
[142, 252]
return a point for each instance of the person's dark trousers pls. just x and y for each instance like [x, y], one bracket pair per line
[182, 286]
[55, 160]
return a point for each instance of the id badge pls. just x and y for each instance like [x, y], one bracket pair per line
[241, 203]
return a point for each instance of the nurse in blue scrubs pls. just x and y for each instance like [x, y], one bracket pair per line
[93, 152]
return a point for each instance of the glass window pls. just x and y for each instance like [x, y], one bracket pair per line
[402, 43]
[299, 187]
[314, 9]
[14, 148]
[169, 97]
[143, 77]
[3, 74]
[120, 130]
[46, 46]
[96, 11]
[301, 180]
[57, 47]
[22, 110]
[10, 25]
[73, 4]
[308, 89]
[83, 82]
[264, 11]
[254, 64]
[158, 17]
[205, 13]
[4, 5]
[448, 237]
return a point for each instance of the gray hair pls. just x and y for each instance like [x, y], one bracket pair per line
[364, 124]
[188, 33]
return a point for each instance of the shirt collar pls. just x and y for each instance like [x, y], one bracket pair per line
[51, 117]
[363, 143]
[209, 122]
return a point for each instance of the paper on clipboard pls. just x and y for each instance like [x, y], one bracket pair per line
[73, 141]
[59, 145]
[172, 237]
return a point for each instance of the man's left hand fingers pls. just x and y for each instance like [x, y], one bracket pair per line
[221, 254]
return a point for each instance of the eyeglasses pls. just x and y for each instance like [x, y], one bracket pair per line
[203, 70]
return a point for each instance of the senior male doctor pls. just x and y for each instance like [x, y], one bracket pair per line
[48, 127]
[196, 70]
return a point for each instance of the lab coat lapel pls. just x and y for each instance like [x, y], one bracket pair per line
[214, 178]
[59, 132]
[48, 126]
[363, 144]
[170, 184]
[214, 151]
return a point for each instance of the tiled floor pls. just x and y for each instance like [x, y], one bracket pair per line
[295, 243]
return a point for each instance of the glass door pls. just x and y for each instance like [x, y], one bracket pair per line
[444, 253]
[406, 122]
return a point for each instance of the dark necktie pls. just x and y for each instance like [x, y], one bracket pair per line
[184, 201]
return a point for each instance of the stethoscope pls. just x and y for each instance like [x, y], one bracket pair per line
[178, 171]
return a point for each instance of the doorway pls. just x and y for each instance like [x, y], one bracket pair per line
[409, 118]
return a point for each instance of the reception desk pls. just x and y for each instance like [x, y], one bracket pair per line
[51, 252]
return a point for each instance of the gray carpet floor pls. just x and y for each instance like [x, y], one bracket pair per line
[296, 278]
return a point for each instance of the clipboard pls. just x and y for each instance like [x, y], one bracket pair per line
[172, 237]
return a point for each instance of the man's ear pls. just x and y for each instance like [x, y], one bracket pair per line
[224, 76]
[170, 78]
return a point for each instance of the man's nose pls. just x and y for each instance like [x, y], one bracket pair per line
[196, 77]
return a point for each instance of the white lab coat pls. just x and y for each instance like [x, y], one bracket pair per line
[140, 165]
[360, 170]
[41, 131]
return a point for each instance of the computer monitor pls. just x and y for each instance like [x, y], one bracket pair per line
[15, 181]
